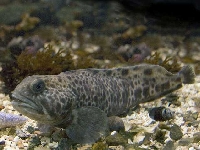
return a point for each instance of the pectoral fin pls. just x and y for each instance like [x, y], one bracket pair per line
[88, 125]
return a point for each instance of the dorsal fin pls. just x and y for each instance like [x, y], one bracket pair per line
[128, 72]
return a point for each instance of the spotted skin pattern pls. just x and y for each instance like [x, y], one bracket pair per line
[51, 98]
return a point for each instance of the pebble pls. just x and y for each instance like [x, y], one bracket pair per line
[30, 129]
[22, 134]
[169, 146]
[16, 139]
[175, 132]
[2, 142]
[185, 141]
[20, 144]
[196, 137]
[116, 139]
[35, 141]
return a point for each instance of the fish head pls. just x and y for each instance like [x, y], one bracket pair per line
[43, 98]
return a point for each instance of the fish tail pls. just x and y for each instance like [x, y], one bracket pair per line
[187, 74]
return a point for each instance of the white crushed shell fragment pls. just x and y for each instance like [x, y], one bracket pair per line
[113, 133]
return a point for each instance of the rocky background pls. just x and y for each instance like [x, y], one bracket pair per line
[102, 34]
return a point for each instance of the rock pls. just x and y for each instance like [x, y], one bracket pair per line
[31, 45]
[190, 117]
[64, 144]
[116, 139]
[134, 54]
[169, 146]
[20, 144]
[58, 135]
[175, 132]
[185, 141]
[100, 146]
[139, 138]
[35, 141]
[2, 142]
[30, 129]
[133, 147]
[196, 137]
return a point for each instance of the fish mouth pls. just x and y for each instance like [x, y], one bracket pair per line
[22, 102]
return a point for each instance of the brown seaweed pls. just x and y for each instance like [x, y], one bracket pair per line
[169, 63]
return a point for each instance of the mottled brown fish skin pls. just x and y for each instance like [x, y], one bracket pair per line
[52, 97]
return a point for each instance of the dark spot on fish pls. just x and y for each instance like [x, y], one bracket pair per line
[74, 90]
[124, 95]
[118, 69]
[152, 85]
[73, 84]
[80, 82]
[89, 104]
[109, 72]
[159, 70]
[131, 92]
[157, 88]
[135, 76]
[58, 106]
[146, 91]
[95, 71]
[165, 86]
[59, 79]
[179, 86]
[83, 97]
[125, 72]
[62, 100]
[69, 78]
[76, 81]
[52, 85]
[138, 93]
[132, 85]
[168, 74]
[136, 68]
[152, 91]
[69, 86]
[148, 72]
[178, 79]
[95, 98]
[153, 79]
[146, 81]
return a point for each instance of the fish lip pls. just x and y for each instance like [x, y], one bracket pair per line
[22, 101]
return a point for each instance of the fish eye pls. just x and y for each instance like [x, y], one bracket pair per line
[37, 86]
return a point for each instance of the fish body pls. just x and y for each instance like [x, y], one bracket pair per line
[9, 120]
[59, 99]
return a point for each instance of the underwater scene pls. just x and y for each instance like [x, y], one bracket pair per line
[99, 75]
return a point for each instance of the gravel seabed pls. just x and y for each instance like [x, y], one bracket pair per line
[188, 96]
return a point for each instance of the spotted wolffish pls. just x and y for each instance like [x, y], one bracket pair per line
[80, 101]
